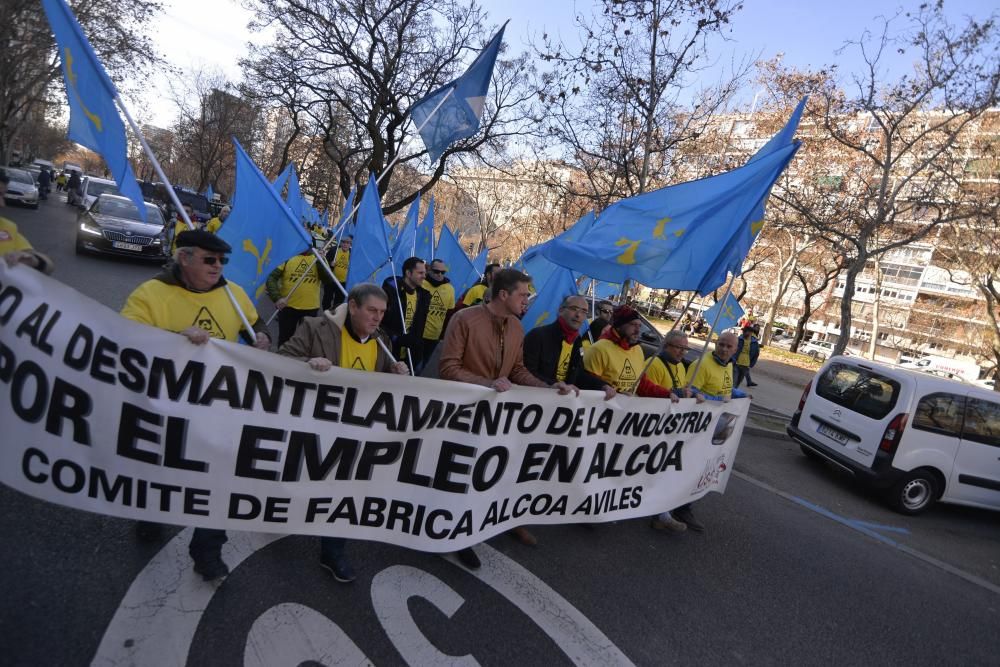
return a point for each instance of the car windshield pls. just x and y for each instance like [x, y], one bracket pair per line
[96, 189]
[20, 176]
[121, 208]
[198, 202]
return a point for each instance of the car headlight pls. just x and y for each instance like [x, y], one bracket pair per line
[88, 228]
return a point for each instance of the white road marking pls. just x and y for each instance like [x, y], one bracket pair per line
[862, 527]
[391, 590]
[290, 634]
[157, 619]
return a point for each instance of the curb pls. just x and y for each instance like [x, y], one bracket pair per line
[760, 431]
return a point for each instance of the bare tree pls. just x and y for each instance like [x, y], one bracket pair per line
[29, 68]
[351, 70]
[902, 144]
[617, 105]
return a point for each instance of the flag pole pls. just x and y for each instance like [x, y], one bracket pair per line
[377, 181]
[402, 315]
[704, 348]
[176, 202]
[663, 342]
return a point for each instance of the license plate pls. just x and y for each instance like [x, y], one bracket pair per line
[121, 245]
[832, 433]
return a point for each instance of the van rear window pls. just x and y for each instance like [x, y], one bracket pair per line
[861, 390]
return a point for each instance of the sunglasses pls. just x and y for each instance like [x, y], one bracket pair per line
[212, 260]
[605, 311]
[438, 271]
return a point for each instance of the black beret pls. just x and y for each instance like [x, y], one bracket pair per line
[199, 238]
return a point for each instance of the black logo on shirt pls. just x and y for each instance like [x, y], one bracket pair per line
[206, 321]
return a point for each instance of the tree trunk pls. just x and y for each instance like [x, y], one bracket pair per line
[784, 280]
[846, 318]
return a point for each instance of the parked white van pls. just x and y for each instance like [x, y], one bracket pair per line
[918, 437]
[959, 368]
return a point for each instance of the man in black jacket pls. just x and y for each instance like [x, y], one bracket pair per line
[554, 353]
[407, 296]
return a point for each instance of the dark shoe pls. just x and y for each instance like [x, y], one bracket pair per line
[522, 535]
[468, 558]
[667, 525]
[147, 531]
[211, 569]
[339, 568]
[685, 515]
[751, 384]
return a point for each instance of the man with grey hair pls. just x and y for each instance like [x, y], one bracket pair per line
[346, 337]
[189, 298]
[554, 352]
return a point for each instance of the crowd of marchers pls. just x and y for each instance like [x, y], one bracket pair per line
[414, 323]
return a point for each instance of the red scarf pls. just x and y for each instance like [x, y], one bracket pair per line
[569, 334]
[613, 336]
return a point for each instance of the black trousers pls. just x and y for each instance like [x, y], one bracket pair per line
[288, 321]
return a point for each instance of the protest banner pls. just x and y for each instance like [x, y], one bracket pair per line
[106, 415]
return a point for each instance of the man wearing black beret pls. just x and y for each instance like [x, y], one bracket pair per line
[188, 297]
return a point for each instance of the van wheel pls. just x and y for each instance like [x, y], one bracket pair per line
[915, 492]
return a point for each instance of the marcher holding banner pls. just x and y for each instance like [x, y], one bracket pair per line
[617, 358]
[713, 378]
[406, 317]
[554, 352]
[344, 338]
[484, 345]
[442, 300]
[188, 298]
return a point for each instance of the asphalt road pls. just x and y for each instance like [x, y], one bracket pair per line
[797, 566]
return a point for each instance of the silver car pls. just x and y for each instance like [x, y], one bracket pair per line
[22, 188]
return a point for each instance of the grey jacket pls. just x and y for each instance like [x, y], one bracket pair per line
[320, 336]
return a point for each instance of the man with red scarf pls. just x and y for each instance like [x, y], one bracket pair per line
[554, 353]
[618, 359]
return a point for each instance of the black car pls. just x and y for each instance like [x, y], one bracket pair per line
[112, 225]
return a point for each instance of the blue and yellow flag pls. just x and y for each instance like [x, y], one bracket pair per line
[371, 241]
[449, 251]
[93, 118]
[403, 246]
[445, 118]
[545, 308]
[261, 229]
[728, 311]
[424, 246]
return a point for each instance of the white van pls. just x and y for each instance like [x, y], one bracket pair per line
[958, 368]
[918, 437]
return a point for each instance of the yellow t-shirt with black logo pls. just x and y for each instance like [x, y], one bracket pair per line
[214, 225]
[474, 295]
[10, 238]
[357, 356]
[674, 376]
[713, 378]
[307, 295]
[442, 300]
[565, 354]
[173, 308]
[608, 361]
[744, 358]
[411, 308]
[340, 264]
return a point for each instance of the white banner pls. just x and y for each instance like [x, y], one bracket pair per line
[102, 414]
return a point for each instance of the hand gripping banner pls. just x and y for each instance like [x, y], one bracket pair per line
[106, 415]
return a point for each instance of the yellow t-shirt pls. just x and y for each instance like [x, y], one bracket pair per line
[355, 355]
[608, 361]
[213, 225]
[744, 358]
[411, 308]
[307, 295]
[174, 308]
[660, 374]
[340, 264]
[713, 378]
[442, 300]
[10, 238]
[179, 228]
[562, 367]
[474, 295]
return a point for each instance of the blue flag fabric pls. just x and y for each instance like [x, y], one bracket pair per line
[474, 274]
[534, 262]
[634, 238]
[424, 246]
[294, 196]
[261, 229]
[209, 192]
[344, 226]
[449, 251]
[282, 178]
[402, 247]
[728, 311]
[371, 242]
[459, 113]
[545, 308]
[93, 118]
